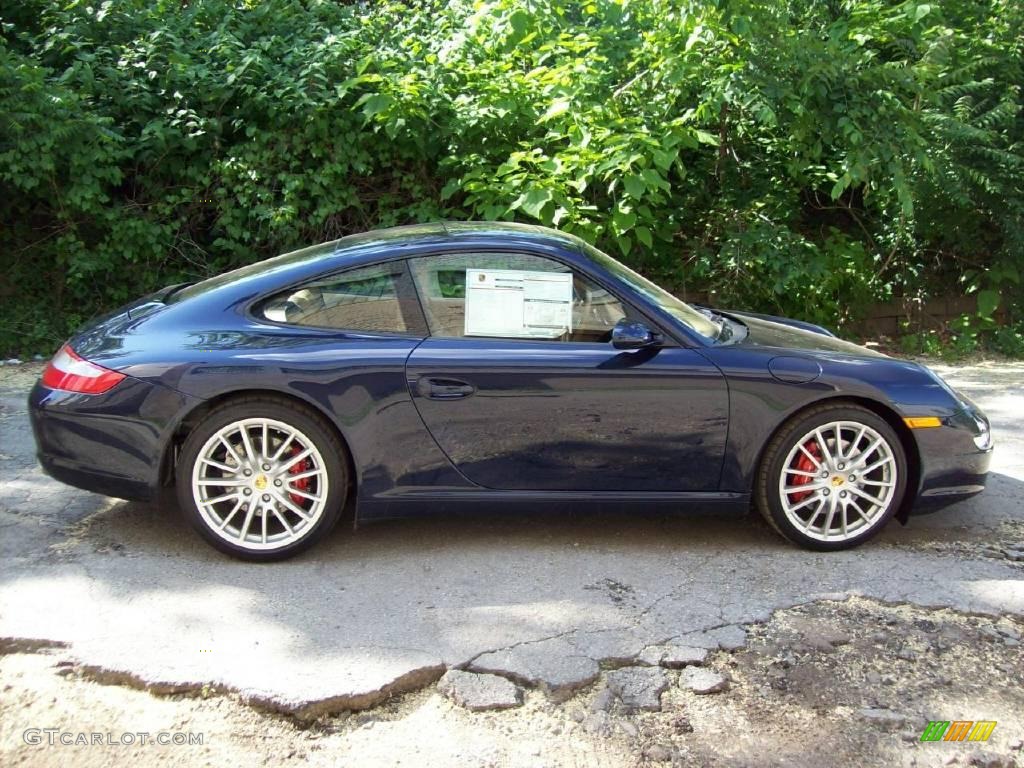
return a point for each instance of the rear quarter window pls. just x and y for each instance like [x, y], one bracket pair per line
[375, 299]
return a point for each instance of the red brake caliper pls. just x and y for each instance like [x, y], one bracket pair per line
[804, 464]
[302, 484]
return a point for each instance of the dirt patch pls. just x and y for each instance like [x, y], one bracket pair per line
[855, 683]
[20, 378]
[829, 683]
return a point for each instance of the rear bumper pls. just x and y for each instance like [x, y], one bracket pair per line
[114, 443]
[89, 479]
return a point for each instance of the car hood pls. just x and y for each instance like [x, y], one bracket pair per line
[765, 333]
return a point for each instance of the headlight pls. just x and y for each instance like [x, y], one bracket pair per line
[983, 440]
[984, 437]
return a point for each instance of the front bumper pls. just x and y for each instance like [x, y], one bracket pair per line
[952, 466]
[113, 444]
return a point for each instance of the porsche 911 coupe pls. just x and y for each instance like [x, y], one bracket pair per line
[489, 365]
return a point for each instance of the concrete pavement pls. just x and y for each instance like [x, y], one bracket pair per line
[544, 600]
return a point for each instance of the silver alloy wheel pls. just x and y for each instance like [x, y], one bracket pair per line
[260, 484]
[838, 481]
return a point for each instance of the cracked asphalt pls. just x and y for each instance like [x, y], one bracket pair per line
[548, 601]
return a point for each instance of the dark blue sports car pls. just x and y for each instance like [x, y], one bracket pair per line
[485, 363]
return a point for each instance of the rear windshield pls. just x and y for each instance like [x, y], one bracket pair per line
[267, 266]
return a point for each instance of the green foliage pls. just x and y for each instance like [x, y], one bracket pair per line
[799, 157]
[1009, 340]
[965, 336]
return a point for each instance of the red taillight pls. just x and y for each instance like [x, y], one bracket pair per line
[69, 372]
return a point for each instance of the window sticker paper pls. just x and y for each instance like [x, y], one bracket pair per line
[518, 304]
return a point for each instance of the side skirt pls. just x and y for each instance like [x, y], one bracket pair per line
[429, 501]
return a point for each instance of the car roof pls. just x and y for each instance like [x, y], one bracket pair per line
[507, 228]
[368, 247]
[448, 230]
[411, 234]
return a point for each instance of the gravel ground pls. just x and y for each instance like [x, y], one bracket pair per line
[118, 622]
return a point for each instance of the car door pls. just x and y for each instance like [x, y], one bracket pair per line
[536, 398]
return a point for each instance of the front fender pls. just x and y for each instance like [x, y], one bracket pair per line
[759, 402]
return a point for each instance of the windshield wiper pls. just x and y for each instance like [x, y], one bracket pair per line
[720, 322]
[728, 329]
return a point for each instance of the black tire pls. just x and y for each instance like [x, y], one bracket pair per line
[767, 494]
[311, 425]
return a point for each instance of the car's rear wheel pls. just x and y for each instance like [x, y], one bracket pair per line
[262, 479]
[832, 477]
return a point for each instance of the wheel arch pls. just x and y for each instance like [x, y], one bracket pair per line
[195, 416]
[892, 418]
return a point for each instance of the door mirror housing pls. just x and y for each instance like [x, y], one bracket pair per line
[632, 334]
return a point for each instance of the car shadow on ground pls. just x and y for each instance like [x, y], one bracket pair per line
[160, 530]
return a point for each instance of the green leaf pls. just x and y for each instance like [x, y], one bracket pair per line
[625, 244]
[623, 221]
[449, 189]
[533, 202]
[664, 159]
[988, 302]
[840, 186]
[694, 37]
[520, 22]
[557, 108]
[375, 103]
[634, 186]
[653, 179]
[643, 234]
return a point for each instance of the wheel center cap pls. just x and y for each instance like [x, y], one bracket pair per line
[260, 482]
[836, 481]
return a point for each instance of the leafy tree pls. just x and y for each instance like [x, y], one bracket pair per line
[799, 156]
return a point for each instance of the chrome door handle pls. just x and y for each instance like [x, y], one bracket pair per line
[443, 389]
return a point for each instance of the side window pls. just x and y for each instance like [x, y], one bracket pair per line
[512, 295]
[379, 298]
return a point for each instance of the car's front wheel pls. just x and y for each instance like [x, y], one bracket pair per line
[262, 479]
[832, 477]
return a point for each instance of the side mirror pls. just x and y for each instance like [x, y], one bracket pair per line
[632, 334]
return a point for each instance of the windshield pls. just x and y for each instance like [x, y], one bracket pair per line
[680, 310]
